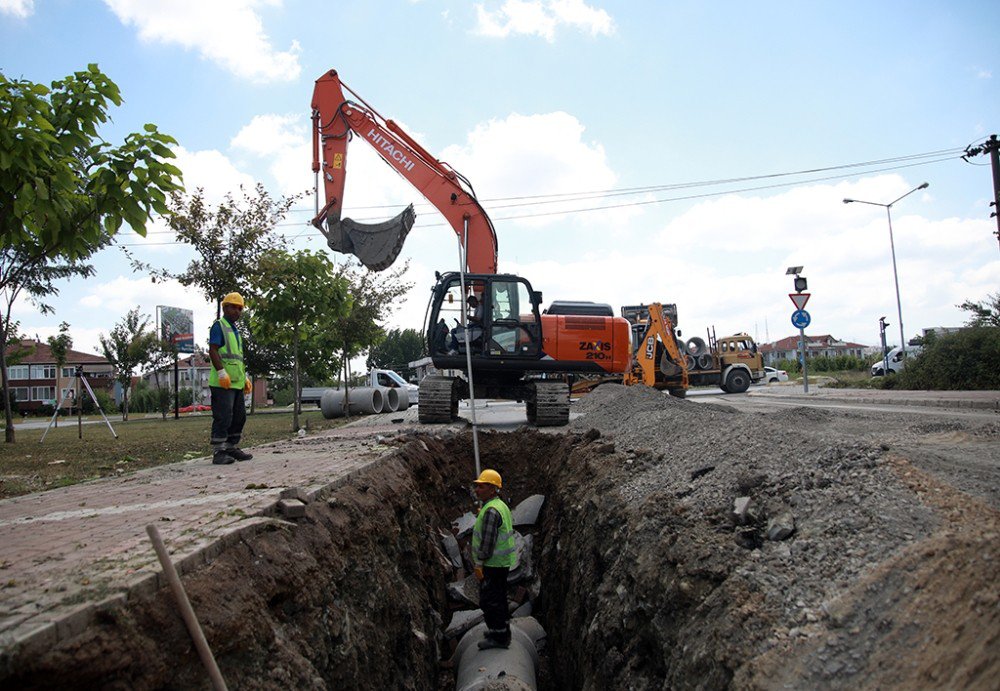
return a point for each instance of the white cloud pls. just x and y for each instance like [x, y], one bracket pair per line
[230, 33]
[209, 170]
[121, 294]
[22, 9]
[529, 155]
[541, 18]
[983, 73]
[283, 141]
[212, 171]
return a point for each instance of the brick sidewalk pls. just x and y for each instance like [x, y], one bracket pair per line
[68, 552]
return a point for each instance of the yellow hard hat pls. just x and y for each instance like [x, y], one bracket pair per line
[489, 477]
[233, 299]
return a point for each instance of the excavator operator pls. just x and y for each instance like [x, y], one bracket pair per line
[475, 326]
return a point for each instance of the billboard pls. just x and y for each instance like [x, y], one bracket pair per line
[176, 325]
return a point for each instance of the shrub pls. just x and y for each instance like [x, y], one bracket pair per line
[103, 399]
[968, 359]
[837, 363]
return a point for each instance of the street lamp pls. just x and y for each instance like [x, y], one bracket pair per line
[892, 247]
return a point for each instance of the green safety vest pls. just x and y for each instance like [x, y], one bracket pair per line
[504, 552]
[231, 353]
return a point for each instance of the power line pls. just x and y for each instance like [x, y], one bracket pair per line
[563, 198]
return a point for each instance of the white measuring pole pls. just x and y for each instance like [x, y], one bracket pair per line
[463, 253]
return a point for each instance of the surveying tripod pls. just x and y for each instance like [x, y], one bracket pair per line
[81, 383]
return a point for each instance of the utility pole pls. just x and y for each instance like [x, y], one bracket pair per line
[992, 147]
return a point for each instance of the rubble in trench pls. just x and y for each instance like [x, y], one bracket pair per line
[679, 545]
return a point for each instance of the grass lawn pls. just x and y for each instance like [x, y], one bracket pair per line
[64, 459]
[845, 379]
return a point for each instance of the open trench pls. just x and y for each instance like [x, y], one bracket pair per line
[354, 595]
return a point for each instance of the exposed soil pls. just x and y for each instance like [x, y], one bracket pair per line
[647, 579]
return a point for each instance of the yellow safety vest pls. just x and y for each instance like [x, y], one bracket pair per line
[504, 552]
[231, 353]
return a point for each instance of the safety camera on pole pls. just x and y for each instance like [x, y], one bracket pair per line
[882, 323]
[800, 318]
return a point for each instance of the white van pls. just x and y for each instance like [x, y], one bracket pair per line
[895, 360]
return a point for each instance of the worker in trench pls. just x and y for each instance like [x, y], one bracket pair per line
[228, 383]
[493, 556]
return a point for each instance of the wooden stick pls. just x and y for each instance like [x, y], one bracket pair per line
[204, 652]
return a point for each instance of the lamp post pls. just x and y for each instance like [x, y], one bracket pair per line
[892, 247]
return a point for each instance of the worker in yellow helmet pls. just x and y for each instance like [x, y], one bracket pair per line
[493, 556]
[228, 383]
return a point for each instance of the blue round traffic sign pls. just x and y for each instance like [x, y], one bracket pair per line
[800, 319]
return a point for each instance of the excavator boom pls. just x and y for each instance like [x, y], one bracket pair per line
[335, 120]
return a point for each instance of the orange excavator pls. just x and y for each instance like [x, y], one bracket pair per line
[517, 350]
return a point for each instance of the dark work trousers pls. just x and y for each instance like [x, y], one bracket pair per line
[493, 599]
[229, 414]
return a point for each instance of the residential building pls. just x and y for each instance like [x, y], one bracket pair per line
[36, 380]
[816, 346]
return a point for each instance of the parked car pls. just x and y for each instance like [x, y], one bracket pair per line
[772, 375]
[195, 409]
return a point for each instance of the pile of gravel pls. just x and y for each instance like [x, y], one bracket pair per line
[845, 509]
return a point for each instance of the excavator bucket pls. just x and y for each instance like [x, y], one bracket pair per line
[376, 244]
[668, 366]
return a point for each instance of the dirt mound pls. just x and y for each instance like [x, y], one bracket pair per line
[682, 589]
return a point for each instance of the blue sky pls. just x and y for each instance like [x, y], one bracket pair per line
[561, 97]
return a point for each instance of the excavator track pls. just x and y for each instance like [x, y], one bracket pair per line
[438, 400]
[550, 407]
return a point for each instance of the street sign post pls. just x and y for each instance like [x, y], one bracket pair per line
[800, 320]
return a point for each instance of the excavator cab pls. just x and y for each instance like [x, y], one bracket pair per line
[501, 328]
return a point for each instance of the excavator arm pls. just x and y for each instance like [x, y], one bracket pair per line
[335, 120]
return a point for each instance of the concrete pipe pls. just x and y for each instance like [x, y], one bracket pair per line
[515, 667]
[705, 361]
[332, 403]
[366, 400]
[363, 400]
[390, 399]
[696, 346]
[689, 362]
[404, 398]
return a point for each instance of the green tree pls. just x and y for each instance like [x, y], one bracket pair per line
[230, 240]
[128, 347]
[161, 354]
[983, 313]
[64, 191]
[302, 296]
[59, 347]
[34, 275]
[397, 351]
[966, 360]
[262, 357]
[375, 296]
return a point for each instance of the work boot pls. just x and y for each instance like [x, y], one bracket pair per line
[239, 454]
[221, 457]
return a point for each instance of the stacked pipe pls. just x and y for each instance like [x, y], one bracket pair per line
[364, 400]
[496, 668]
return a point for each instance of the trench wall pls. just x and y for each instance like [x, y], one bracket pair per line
[353, 594]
